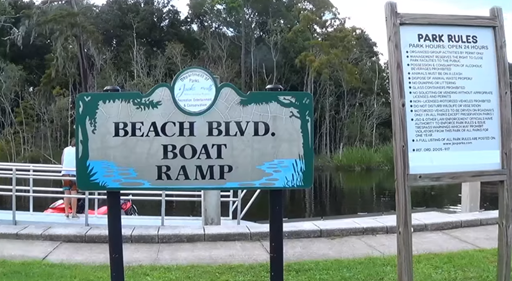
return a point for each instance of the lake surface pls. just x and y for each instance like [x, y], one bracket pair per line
[334, 194]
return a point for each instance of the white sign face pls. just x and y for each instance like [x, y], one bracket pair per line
[194, 90]
[452, 98]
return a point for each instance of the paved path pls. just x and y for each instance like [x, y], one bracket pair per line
[421, 221]
[251, 251]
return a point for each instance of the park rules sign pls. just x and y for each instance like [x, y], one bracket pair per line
[194, 134]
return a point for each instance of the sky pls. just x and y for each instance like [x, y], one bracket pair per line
[369, 14]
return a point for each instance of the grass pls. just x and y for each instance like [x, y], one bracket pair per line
[360, 158]
[474, 265]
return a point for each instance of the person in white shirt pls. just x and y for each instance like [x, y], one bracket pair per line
[68, 162]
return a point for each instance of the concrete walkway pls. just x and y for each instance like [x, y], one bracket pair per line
[422, 221]
[251, 251]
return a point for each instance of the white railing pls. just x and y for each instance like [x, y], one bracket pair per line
[16, 171]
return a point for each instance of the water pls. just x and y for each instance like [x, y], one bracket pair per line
[333, 195]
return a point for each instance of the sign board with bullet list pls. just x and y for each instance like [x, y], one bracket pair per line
[452, 97]
[451, 113]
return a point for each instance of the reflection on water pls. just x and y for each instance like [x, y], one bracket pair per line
[333, 194]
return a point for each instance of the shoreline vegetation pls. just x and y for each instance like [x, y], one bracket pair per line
[358, 159]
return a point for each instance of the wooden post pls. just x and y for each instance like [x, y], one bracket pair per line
[505, 194]
[451, 111]
[403, 194]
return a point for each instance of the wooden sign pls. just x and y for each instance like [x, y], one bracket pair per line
[451, 112]
[194, 135]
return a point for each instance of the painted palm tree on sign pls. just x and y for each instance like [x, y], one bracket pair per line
[87, 106]
[301, 107]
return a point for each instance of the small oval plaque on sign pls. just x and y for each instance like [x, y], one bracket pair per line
[194, 90]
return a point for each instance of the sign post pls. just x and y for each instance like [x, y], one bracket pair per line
[276, 223]
[195, 135]
[114, 222]
[451, 113]
[115, 236]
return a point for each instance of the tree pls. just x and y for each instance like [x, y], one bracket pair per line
[59, 48]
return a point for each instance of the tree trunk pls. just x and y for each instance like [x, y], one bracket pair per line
[84, 75]
[243, 53]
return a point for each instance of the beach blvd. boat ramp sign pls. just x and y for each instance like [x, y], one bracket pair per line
[194, 134]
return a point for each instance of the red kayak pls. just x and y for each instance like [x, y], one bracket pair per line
[127, 207]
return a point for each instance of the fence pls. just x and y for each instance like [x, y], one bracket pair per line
[16, 171]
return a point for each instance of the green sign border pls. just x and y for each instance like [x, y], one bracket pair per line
[89, 102]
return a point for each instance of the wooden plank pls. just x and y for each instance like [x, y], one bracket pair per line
[403, 194]
[449, 178]
[505, 192]
[432, 19]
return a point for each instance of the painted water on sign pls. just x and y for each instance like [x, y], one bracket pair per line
[281, 172]
[156, 141]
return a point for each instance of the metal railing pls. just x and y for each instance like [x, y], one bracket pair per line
[16, 171]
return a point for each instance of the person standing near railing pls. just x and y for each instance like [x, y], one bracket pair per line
[68, 162]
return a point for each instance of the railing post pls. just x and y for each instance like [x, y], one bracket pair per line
[239, 207]
[162, 211]
[86, 210]
[31, 180]
[96, 204]
[14, 196]
[231, 204]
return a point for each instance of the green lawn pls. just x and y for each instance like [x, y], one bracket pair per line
[461, 266]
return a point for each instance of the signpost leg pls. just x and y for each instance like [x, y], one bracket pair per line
[504, 235]
[400, 149]
[505, 189]
[115, 236]
[276, 236]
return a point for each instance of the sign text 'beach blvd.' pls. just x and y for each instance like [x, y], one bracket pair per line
[194, 134]
[206, 151]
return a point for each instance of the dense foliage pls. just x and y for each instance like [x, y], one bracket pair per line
[55, 49]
